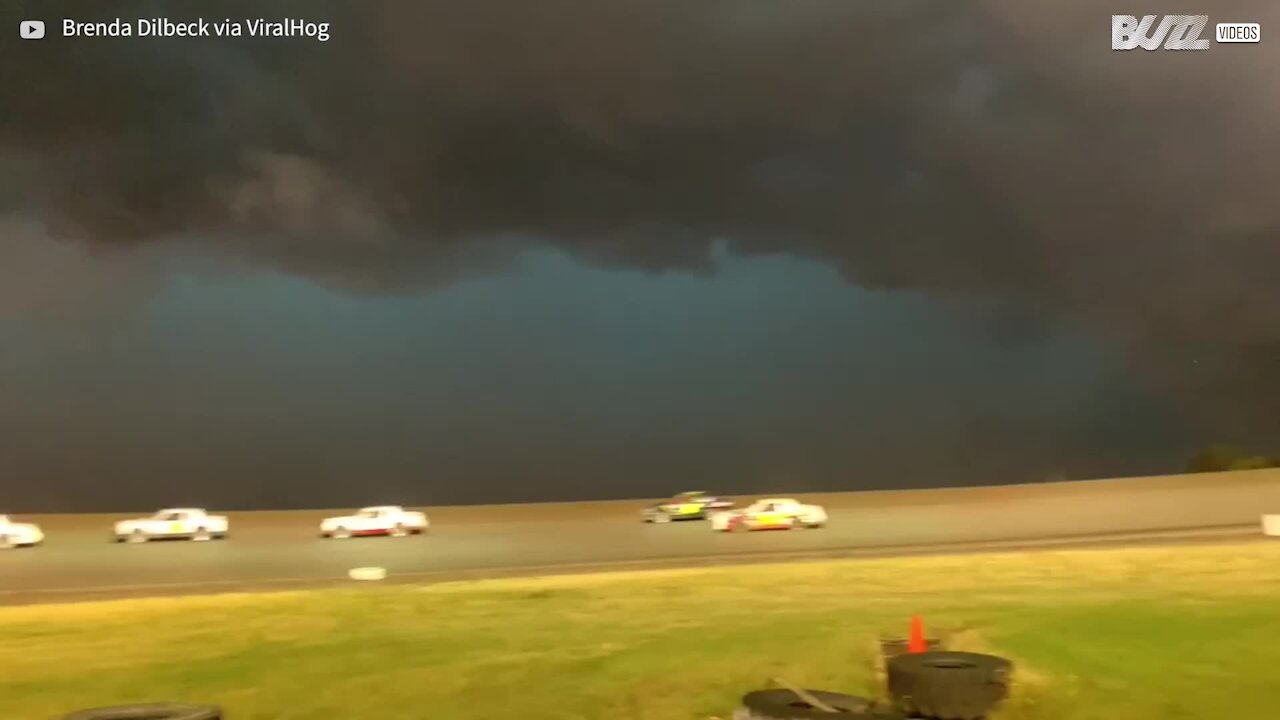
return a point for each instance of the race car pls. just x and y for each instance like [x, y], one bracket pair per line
[711, 502]
[770, 514]
[693, 505]
[390, 520]
[171, 524]
[16, 534]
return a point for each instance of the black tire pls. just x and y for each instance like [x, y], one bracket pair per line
[947, 685]
[149, 711]
[786, 705]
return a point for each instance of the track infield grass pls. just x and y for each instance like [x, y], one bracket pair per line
[1169, 633]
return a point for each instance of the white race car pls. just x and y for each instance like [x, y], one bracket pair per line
[15, 534]
[390, 520]
[172, 523]
[771, 514]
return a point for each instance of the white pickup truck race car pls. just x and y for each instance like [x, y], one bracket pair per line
[390, 520]
[172, 523]
[771, 514]
[16, 534]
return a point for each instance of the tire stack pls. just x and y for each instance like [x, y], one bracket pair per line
[948, 685]
[931, 685]
[148, 711]
[891, 647]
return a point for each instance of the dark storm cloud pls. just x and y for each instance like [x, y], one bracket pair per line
[996, 150]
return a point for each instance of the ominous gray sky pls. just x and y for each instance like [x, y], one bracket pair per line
[497, 251]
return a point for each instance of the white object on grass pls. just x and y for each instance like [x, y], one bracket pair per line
[1271, 525]
[367, 573]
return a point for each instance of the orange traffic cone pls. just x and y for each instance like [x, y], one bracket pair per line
[916, 642]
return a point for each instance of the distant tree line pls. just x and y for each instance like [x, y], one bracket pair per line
[1218, 458]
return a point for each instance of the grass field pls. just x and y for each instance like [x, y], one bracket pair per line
[1137, 634]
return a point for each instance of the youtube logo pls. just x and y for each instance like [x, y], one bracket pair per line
[31, 29]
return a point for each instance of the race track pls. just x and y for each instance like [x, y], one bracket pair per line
[281, 549]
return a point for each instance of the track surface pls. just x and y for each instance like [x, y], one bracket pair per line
[272, 549]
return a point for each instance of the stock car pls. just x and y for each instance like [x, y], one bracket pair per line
[770, 514]
[16, 534]
[390, 520]
[172, 523]
[693, 505]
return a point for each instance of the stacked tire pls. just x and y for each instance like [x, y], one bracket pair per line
[946, 685]
[787, 705]
[149, 711]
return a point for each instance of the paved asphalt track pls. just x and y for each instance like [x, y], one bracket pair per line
[282, 549]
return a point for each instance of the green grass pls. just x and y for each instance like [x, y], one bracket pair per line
[1139, 634]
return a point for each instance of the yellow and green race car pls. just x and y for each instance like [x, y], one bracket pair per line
[693, 505]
